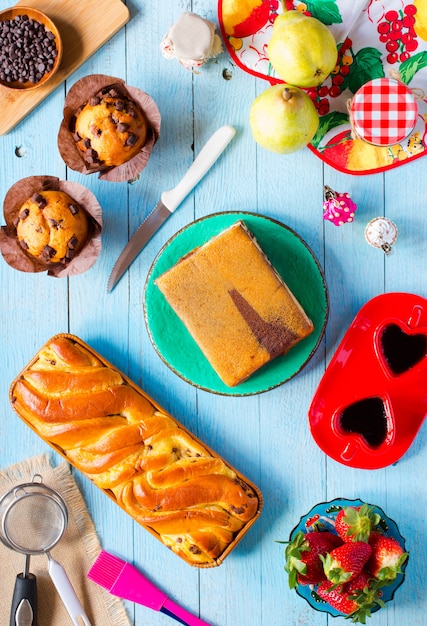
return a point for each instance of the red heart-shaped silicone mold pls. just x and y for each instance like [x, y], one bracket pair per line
[372, 399]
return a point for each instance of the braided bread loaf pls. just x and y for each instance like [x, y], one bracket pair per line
[116, 435]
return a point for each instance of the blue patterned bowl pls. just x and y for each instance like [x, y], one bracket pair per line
[323, 516]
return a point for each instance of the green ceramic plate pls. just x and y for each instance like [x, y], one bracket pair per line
[294, 261]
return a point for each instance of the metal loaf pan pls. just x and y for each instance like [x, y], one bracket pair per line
[109, 493]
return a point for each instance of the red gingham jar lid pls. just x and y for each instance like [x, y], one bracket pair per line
[383, 111]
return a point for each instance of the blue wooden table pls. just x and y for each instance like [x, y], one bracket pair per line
[265, 436]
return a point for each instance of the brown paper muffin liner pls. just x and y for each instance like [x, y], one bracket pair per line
[78, 95]
[10, 248]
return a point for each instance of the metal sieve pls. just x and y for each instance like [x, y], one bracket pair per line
[33, 518]
[36, 511]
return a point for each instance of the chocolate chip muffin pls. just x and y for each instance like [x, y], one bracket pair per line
[52, 227]
[110, 129]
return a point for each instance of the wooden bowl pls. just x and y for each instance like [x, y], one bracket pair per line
[37, 16]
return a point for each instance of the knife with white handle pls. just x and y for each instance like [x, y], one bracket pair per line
[170, 200]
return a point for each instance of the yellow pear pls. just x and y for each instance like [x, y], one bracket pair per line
[302, 50]
[283, 119]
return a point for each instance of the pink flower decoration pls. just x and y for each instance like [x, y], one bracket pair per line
[338, 208]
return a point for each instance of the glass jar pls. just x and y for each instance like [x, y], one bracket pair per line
[383, 112]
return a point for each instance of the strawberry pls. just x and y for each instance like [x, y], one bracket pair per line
[355, 599]
[344, 563]
[387, 558]
[356, 523]
[302, 556]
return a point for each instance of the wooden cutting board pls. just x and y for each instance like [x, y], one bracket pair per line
[84, 27]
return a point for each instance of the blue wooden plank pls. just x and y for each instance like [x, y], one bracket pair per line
[101, 319]
[170, 158]
[266, 437]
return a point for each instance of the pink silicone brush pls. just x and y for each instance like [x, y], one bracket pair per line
[125, 581]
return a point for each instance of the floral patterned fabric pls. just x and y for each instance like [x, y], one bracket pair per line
[375, 39]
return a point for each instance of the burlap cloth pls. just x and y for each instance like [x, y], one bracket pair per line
[76, 552]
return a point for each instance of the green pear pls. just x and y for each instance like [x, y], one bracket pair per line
[283, 119]
[302, 50]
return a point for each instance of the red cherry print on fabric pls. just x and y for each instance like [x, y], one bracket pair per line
[397, 32]
[320, 95]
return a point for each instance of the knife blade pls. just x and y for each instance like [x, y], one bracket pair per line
[170, 200]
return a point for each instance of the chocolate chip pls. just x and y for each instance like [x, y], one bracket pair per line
[94, 100]
[119, 104]
[39, 200]
[76, 137]
[24, 213]
[122, 127]
[114, 119]
[113, 92]
[73, 242]
[24, 245]
[48, 252]
[91, 156]
[71, 252]
[56, 224]
[74, 209]
[95, 130]
[237, 510]
[194, 549]
[27, 50]
[86, 142]
[131, 140]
